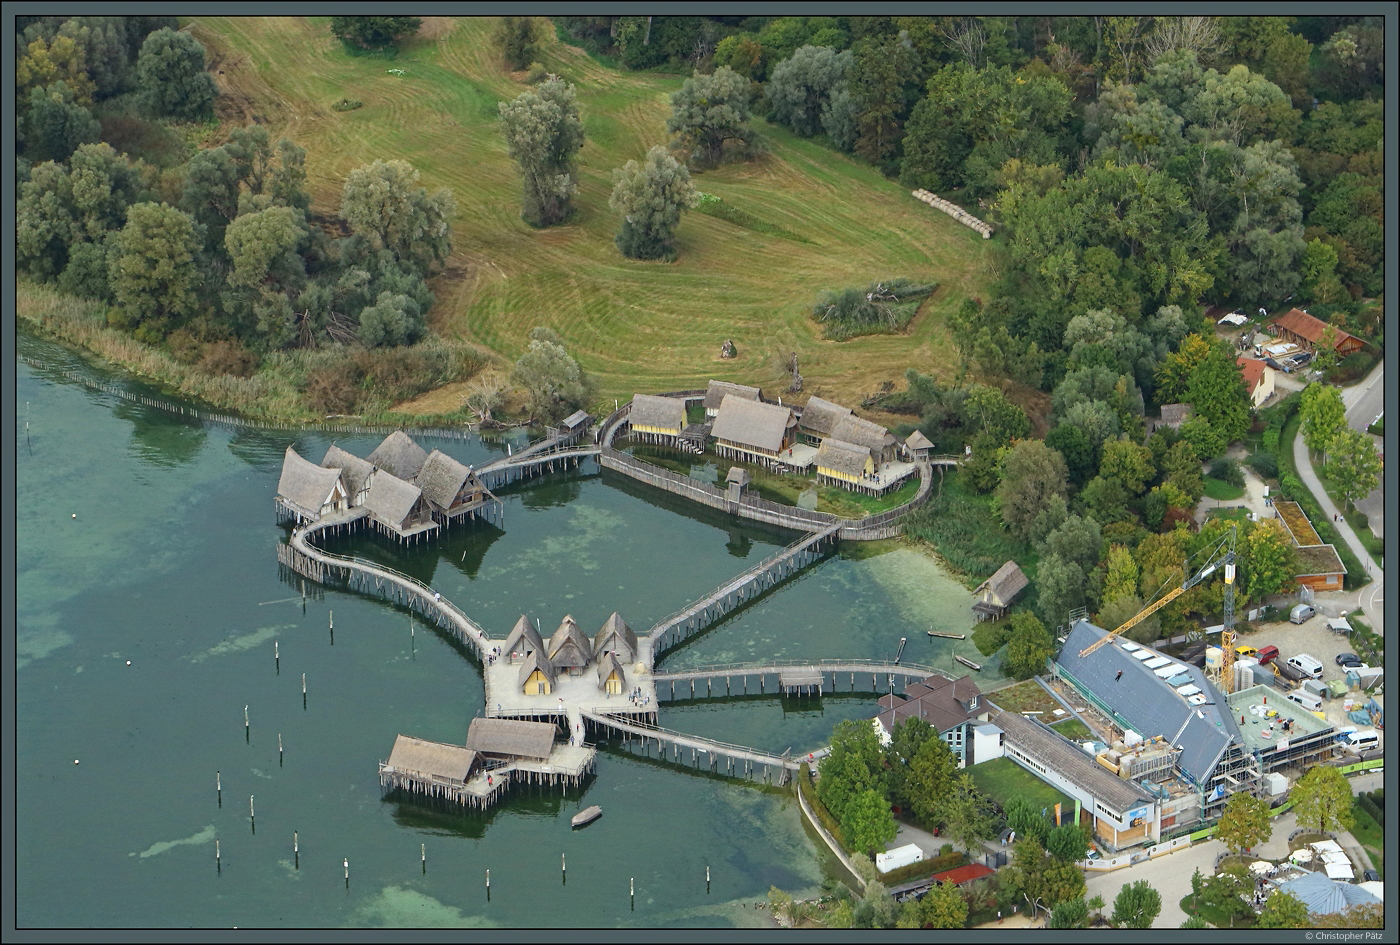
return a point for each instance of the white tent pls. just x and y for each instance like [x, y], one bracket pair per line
[1340, 871]
[1260, 867]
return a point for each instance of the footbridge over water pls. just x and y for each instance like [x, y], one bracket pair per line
[525, 465]
[787, 678]
[722, 600]
[692, 750]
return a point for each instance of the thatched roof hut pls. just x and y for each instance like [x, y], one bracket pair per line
[842, 460]
[356, 472]
[872, 436]
[819, 417]
[753, 426]
[511, 738]
[399, 455]
[919, 444]
[448, 485]
[616, 637]
[652, 414]
[568, 647]
[522, 640]
[997, 592]
[715, 394]
[537, 674]
[427, 760]
[307, 489]
[610, 674]
[396, 504]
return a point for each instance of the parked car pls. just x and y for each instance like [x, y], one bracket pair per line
[1370, 876]
[1302, 613]
[1348, 659]
[1267, 654]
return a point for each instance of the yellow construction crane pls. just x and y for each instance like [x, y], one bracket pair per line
[1223, 552]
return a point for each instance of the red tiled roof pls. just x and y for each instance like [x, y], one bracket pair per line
[963, 874]
[1310, 327]
[1253, 372]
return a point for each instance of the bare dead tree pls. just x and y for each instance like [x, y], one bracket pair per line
[484, 395]
[1199, 34]
[964, 35]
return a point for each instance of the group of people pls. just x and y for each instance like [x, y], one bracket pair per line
[493, 655]
[637, 698]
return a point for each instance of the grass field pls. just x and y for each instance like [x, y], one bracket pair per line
[636, 326]
[1221, 490]
[1002, 779]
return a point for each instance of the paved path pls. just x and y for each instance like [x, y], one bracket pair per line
[1364, 403]
[1371, 597]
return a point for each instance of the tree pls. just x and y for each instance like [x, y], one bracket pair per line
[1128, 462]
[651, 198]
[56, 124]
[1283, 910]
[1029, 646]
[383, 202]
[267, 269]
[1137, 905]
[1354, 465]
[1061, 589]
[709, 110]
[943, 907]
[1323, 416]
[554, 384]
[1032, 473]
[801, 86]
[1030, 824]
[1068, 842]
[1072, 914]
[45, 221]
[932, 771]
[1244, 824]
[1269, 559]
[46, 63]
[520, 39]
[171, 77]
[884, 78]
[907, 737]
[1217, 395]
[1060, 882]
[987, 410]
[393, 320]
[153, 274]
[1073, 444]
[211, 192]
[963, 812]
[1322, 800]
[867, 821]
[1194, 921]
[544, 134]
[373, 32]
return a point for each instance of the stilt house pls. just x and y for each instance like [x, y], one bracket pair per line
[879, 441]
[523, 640]
[616, 638]
[657, 419]
[306, 491]
[536, 674]
[421, 760]
[399, 455]
[819, 419]
[356, 472]
[569, 649]
[995, 594]
[716, 392]
[610, 675]
[453, 491]
[752, 430]
[919, 445]
[398, 508]
[843, 464]
[501, 741]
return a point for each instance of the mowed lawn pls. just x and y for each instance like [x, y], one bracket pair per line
[637, 326]
[1002, 779]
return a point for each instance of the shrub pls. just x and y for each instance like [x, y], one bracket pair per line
[1264, 463]
[1227, 470]
[881, 307]
[536, 74]
[335, 388]
[347, 105]
[227, 357]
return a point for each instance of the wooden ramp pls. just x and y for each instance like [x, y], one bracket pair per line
[694, 751]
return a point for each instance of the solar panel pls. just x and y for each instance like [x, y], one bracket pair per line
[1143, 655]
[1157, 661]
[1130, 647]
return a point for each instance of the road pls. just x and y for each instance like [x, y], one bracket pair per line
[1371, 598]
[1364, 402]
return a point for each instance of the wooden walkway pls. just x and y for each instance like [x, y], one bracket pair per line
[370, 578]
[882, 677]
[523, 465]
[761, 577]
[705, 753]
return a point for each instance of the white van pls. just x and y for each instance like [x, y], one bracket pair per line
[1302, 613]
[1306, 665]
[1365, 739]
[1310, 701]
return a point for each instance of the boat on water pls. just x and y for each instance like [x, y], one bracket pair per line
[587, 815]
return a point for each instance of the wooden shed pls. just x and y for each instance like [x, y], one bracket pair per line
[306, 491]
[569, 649]
[1320, 567]
[574, 425]
[920, 446]
[536, 674]
[657, 419]
[522, 640]
[1308, 331]
[427, 760]
[616, 638]
[453, 491]
[753, 430]
[717, 390]
[399, 455]
[509, 739]
[355, 472]
[995, 594]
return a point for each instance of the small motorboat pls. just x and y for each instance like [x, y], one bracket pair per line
[587, 816]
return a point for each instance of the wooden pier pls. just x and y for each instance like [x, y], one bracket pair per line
[825, 676]
[761, 577]
[503, 472]
[692, 750]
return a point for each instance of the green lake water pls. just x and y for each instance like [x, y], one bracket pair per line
[171, 564]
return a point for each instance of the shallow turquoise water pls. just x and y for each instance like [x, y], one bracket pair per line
[170, 564]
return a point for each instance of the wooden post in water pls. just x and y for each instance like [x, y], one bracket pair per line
[279, 749]
[252, 818]
[563, 871]
[276, 654]
[219, 788]
[424, 851]
[296, 851]
[303, 691]
[246, 735]
[707, 880]
[347, 872]
[632, 891]
[218, 861]
[332, 628]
